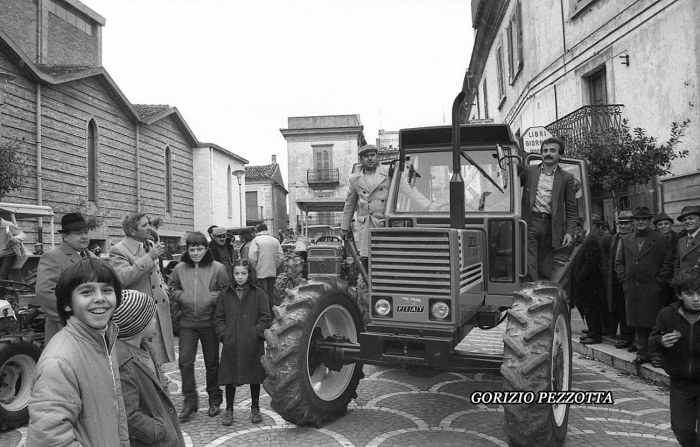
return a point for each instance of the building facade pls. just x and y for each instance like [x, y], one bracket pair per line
[576, 66]
[321, 151]
[219, 185]
[266, 197]
[83, 141]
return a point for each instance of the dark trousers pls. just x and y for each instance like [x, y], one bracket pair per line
[6, 265]
[641, 341]
[593, 321]
[619, 315]
[210, 351]
[685, 412]
[540, 253]
[268, 284]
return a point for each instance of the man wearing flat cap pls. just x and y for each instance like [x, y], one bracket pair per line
[615, 291]
[367, 194]
[644, 265]
[53, 263]
[688, 247]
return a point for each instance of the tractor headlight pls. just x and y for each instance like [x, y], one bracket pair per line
[382, 307]
[349, 260]
[439, 310]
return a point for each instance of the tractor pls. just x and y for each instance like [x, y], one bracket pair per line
[433, 275]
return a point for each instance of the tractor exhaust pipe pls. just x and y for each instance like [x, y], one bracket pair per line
[456, 182]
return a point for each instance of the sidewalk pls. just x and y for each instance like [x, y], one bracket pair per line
[618, 358]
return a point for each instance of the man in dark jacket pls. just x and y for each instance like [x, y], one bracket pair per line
[600, 230]
[644, 265]
[688, 247]
[615, 291]
[664, 223]
[677, 339]
[222, 250]
[588, 285]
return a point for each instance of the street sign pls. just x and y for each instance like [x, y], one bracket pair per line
[533, 138]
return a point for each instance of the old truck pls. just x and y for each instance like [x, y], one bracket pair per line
[434, 274]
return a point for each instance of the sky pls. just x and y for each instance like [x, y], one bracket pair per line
[236, 70]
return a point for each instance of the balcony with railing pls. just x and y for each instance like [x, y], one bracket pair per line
[588, 123]
[253, 213]
[322, 177]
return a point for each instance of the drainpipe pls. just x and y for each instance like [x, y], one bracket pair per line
[211, 185]
[138, 168]
[39, 182]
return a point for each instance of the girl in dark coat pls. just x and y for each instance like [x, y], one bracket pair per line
[241, 317]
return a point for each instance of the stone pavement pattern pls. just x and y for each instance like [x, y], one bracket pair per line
[395, 409]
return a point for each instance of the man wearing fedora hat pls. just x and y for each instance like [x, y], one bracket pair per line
[688, 247]
[615, 292]
[644, 264]
[367, 193]
[53, 263]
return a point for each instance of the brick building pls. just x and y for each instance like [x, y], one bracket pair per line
[266, 197]
[321, 151]
[82, 138]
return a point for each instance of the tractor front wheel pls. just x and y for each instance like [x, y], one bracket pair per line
[303, 390]
[537, 358]
[18, 358]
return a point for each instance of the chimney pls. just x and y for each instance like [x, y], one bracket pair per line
[274, 159]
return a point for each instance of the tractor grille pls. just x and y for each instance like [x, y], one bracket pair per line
[416, 263]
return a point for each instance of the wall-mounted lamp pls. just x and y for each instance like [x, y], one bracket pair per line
[625, 59]
[239, 175]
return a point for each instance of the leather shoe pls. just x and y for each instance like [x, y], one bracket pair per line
[584, 331]
[656, 363]
[632, 348]
[214, 410]
[639, 361]
[623, 344]
[186, 413]
[590, 341]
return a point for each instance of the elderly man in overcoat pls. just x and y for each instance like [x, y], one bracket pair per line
[644, 264]
[54, 262]
[135, 259]
[688, 247]
[615, 291]
[368, 192]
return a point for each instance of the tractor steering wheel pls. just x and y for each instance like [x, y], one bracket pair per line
[329, 239]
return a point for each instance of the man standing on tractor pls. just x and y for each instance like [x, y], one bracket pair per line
[549, 208]
[368, 192]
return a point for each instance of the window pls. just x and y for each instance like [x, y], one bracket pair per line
[252, 211]
[229, 191]
[322, 161]
[599, 92]
[92, 161]
[501, 75]
[168, 181]
[486, 102]
[515, 44]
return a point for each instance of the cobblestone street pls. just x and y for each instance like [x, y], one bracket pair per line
[395, 409]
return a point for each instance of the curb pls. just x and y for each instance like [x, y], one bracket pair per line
[620, 359]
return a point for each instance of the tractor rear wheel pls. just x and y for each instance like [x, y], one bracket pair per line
[303, 390]
[283, 282]
[18, 358]
[537, 358]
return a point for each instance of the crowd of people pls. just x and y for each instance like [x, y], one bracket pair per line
[99, 380]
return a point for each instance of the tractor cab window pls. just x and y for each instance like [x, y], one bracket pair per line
[429, 175]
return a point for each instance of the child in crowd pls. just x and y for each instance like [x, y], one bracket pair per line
[242, 315]
[678, 339]
[151, 415]
[195, 283]
[76, 395]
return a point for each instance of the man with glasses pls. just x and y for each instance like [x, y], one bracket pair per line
[53, 263]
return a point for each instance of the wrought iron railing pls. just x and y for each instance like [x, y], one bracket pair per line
[587, 123]
[332, 219]
[322, 176]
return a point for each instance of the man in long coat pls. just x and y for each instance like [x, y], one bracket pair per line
[615, 291]
[54, 262]
[644, 265]
[368, 192]
[589, 287]
[688, 247]
[135, 259]
[663, 223]
[549, 208]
